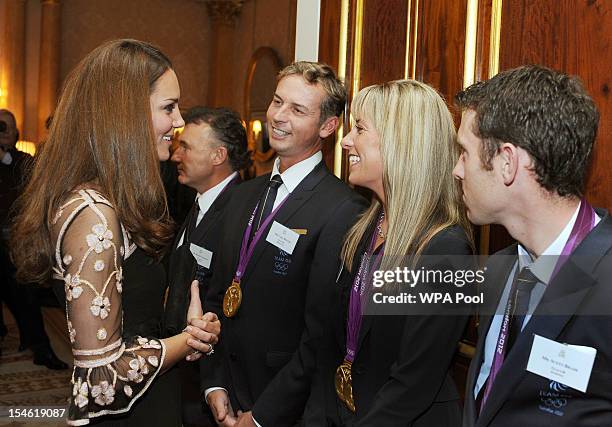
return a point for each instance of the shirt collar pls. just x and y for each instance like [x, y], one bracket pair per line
[206, 199]
[296, 173]
[543, 266]
[7, 159]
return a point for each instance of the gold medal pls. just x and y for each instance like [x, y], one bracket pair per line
[232, 299]
[344, 384]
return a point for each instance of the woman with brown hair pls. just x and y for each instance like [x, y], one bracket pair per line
[94, 216]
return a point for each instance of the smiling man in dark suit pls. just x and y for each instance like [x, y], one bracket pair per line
[212, 150]
[544, 353]
[282, 238]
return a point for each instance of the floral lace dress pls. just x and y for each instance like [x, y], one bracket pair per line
[111, 371]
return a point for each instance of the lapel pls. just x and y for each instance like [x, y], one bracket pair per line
[345, 292]
[366, 321]
[205, 223]
[366, 324]
[175, 253]
[246, 209]
[181, 230]
[344, 284]
[498, 270]
[245, 199]
[185, 224]
[302, 193]
[501, 266]
[208, 220]
[559, 303]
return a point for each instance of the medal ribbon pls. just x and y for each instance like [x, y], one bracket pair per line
[585, 222]
[361, 284]
[246, 250]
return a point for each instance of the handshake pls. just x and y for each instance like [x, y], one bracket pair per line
[204, 330]
[222, 410]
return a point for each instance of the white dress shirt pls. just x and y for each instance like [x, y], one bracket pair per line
[542, 267]
[294, 175]
[206, 200]
[7, 159]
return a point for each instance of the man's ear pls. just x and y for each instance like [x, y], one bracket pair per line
[219, 155]
[329, 127]
[510, 162]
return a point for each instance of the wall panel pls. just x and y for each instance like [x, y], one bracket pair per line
[441, 45]
[483, 40]
[572, 36]
[329, 37]
[329, 53]
[384, 41]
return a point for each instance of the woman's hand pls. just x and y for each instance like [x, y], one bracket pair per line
[204, 329]
[195, 305]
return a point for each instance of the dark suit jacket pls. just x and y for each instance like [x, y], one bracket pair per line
[273, 318]
[183, 268]
[12, 181]
[576, 308]
[401, 368]
[179, 196]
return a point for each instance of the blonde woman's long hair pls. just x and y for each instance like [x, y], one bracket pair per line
[417, 144]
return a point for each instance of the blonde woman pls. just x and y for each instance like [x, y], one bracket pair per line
[393, 370]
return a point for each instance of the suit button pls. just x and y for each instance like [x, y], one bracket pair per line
[233, 357]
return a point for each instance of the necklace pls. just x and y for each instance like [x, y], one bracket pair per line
[381, 233]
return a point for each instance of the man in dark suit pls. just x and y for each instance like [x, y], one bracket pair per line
[544, 353]
[212, 150]
[23, 301]
[282, 237]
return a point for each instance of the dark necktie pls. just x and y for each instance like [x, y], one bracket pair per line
[191, 224]
[266, 202]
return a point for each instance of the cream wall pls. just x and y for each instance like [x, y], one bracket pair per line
[30, 123]
[210, 56]
[308, 18]
[261, 23]
[184, 31]
[181, 28]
